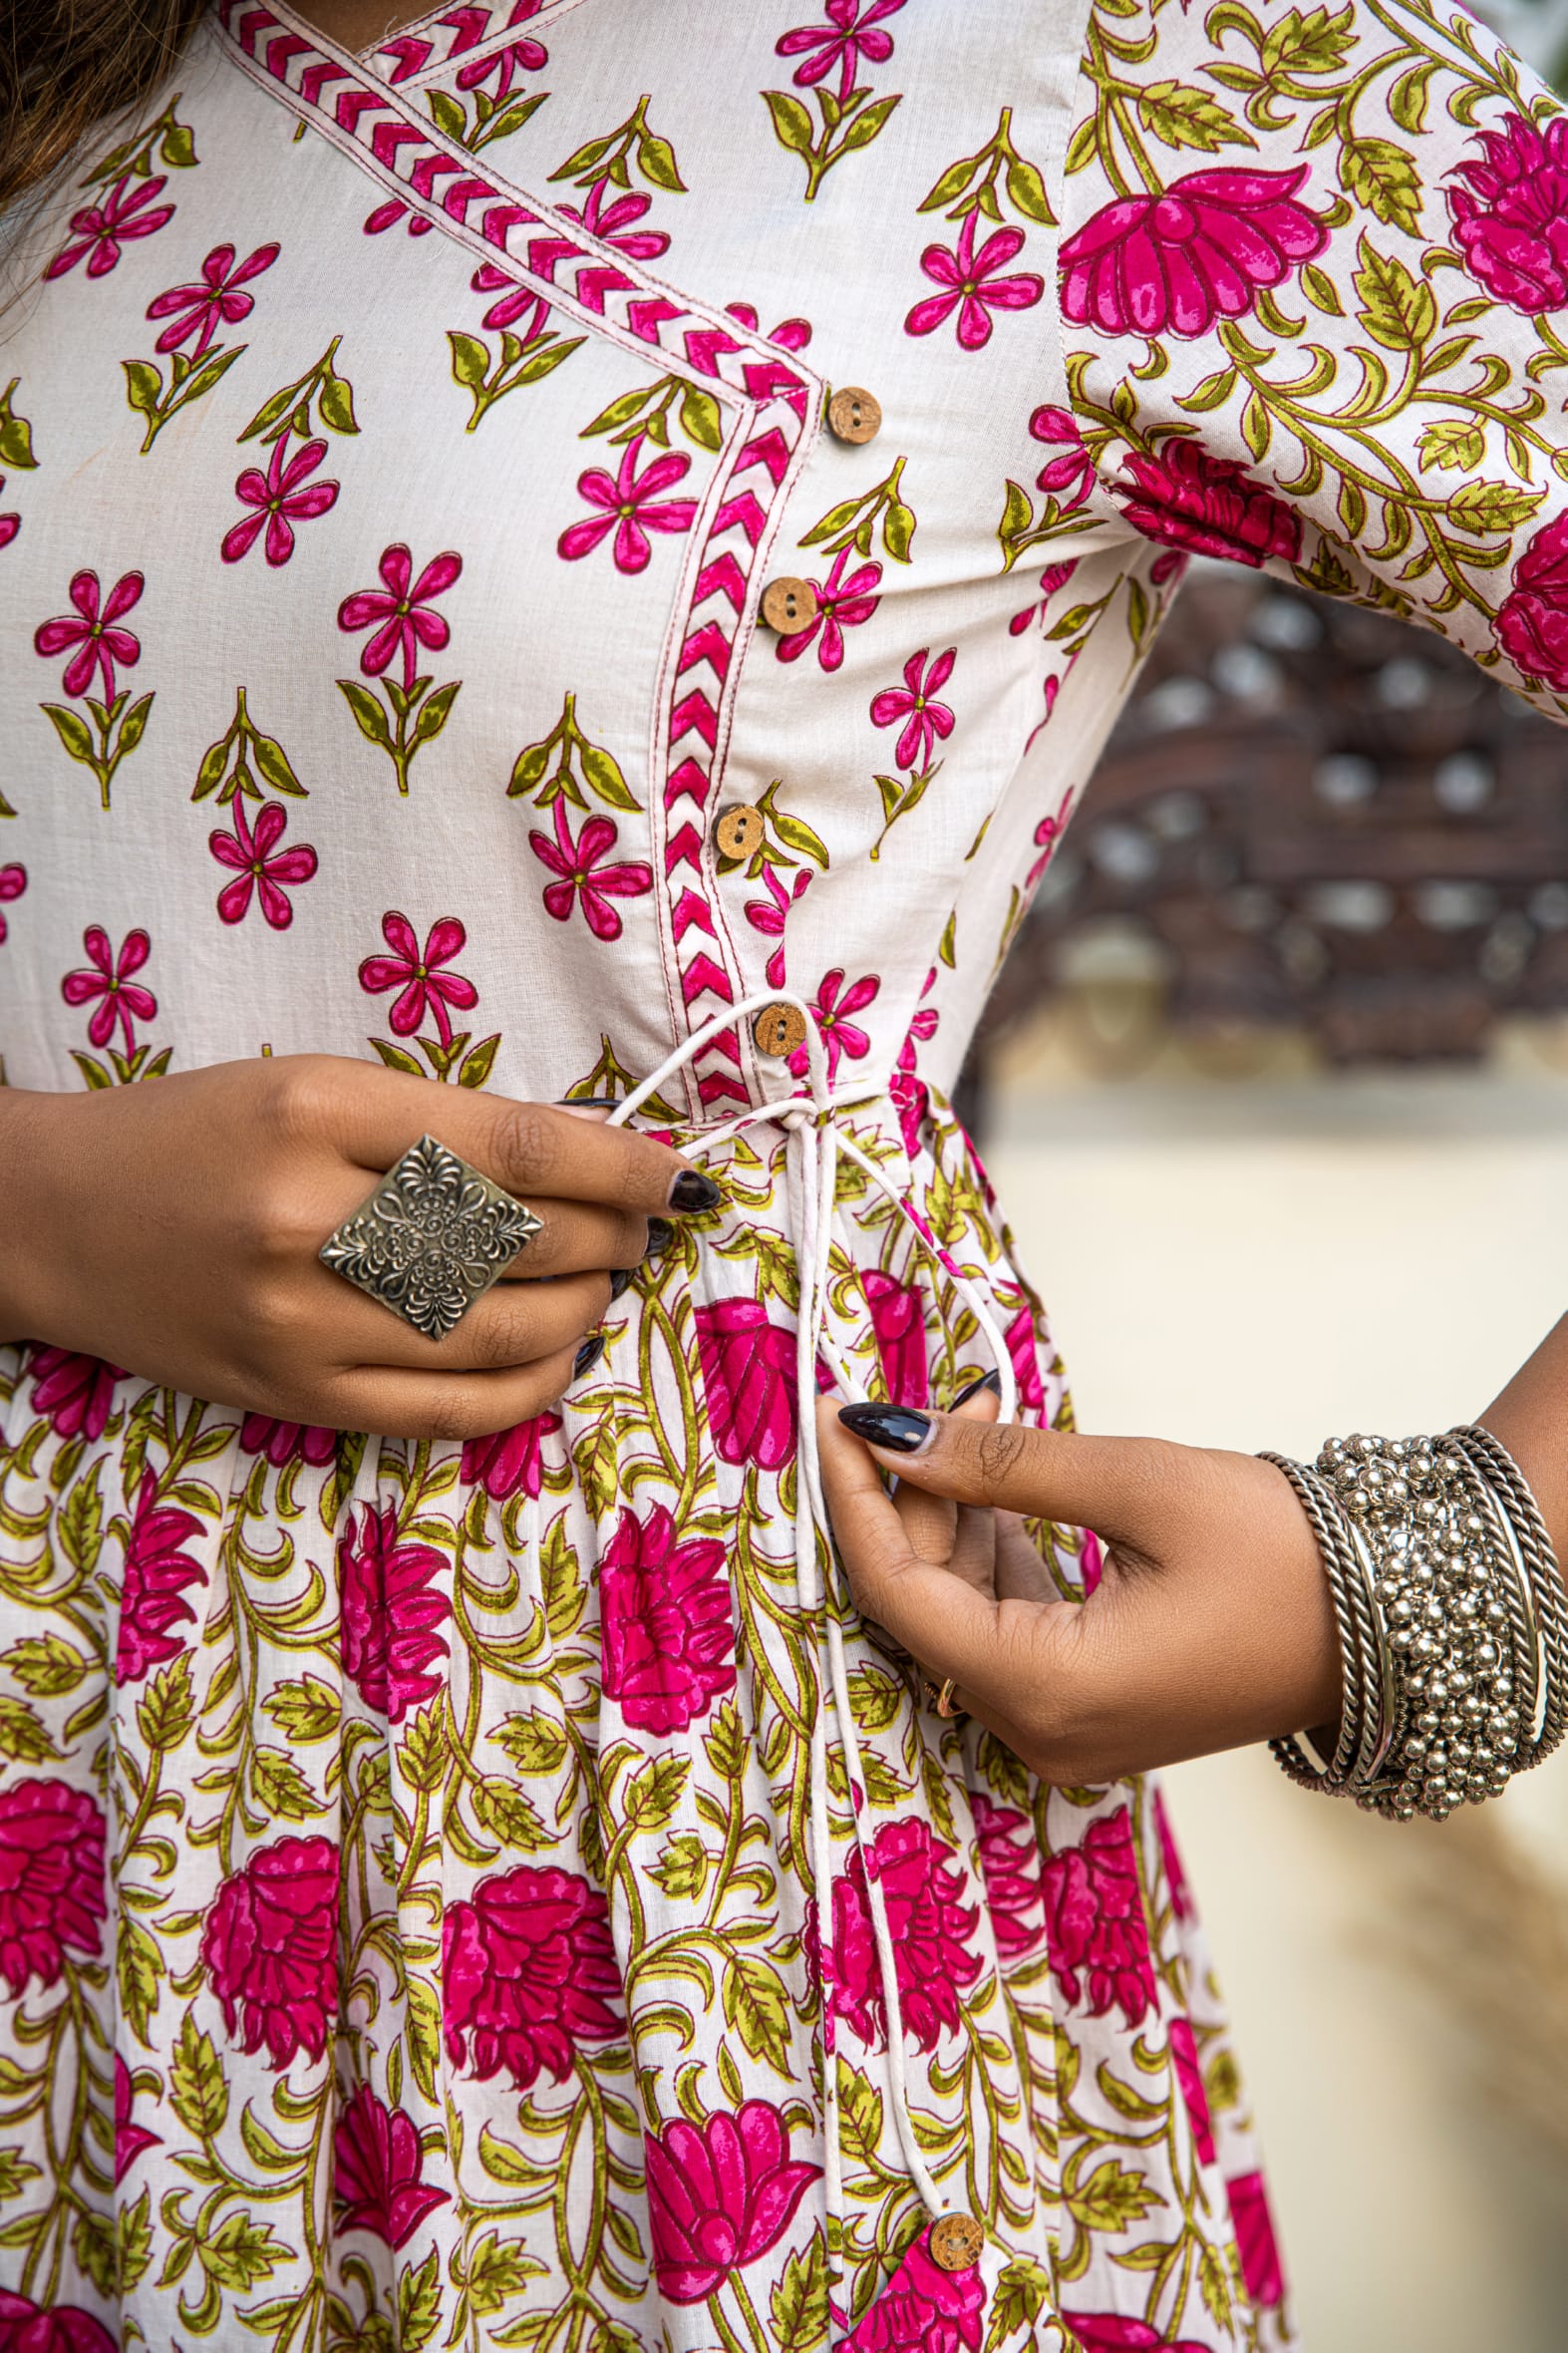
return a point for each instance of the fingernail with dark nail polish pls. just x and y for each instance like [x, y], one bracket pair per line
[991, 1380]
[589, 1102]
[895, 1427]
[661, 1233]
[587, 1355]
[694, 1191]
[620, 1280]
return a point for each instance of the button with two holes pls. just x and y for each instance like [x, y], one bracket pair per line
[956, 2241]
[854, 415]
[739, 831]
[778, 1030]
[789, 605]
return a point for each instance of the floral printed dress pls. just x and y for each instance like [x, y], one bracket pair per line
[596, 545]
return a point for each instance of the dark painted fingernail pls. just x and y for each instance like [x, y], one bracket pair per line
[991, 1380]
[620, 1280]
[588, 1354]
[694, 1191]
[661, 1233]
[589, 1102]
[896, 1427]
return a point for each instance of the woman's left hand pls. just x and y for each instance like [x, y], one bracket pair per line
[1211, 1626]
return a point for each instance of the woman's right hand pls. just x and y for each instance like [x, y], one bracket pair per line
[172, 1229]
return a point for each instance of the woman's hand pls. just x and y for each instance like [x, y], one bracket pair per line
[172, 1229]
[1211, 1625]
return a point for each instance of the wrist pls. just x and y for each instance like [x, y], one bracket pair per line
[28, 1122]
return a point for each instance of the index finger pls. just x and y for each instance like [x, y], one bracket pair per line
[1101, 1483]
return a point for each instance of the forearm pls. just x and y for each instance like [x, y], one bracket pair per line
[26, 1123]
[1530, 1417]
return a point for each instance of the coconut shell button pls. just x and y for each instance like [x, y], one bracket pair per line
[854, 415]
[956, 2241]
[778, 1030]
[739, 831]
[789, 605]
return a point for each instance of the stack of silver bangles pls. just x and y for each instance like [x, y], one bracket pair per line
[1452, 1618]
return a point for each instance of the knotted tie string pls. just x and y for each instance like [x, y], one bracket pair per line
[815, 1140]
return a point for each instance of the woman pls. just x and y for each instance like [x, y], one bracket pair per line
[570, 552]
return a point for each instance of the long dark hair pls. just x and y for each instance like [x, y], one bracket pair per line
[65, 65]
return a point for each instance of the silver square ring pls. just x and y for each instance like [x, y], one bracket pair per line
[431, 1239]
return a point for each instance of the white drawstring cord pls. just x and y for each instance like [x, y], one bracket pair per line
[814, 1143]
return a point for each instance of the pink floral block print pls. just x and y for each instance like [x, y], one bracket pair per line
[1096, 1923]
[855, 34]
[426, 988]
[91, 635]
[157, 1578]
[99, 231]
[720, 2195]
[12, 881]
[972, 284]
[582, 877]
[261, 864]
[279, 499]
[924, 2309]
[51, 1904]
[1201, 251]
[1509, 206]
[378, 2164]
[668, 1632]
[270, 1950]
[529, 1974]
[400, 613]
[913, 708]
[106, 986]
[217, 298]
[631, 505]
[391, 1605]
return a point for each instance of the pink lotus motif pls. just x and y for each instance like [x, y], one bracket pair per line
[1532, 620]
[924, 2309]
[1148, 265]
[1096, 1923]
[152, 1588]
[389, 1608]
[76, 1392]
[1024, 1349]
[1170, 1854]
[1255, 2240]
[897, 1312]
[1069, 477]
[1187, 2068]
[425, 987]
[528, 1973]
[99, 644]
[853, 31]
[1511, 219]
[1009, 1866]
[613, 221]
[512, 1462]
[12, 881]
[844, 600]
[216, 298]
[924, 720]
[279, 499]
[400, 611]
[668, 1632]
[99, 230]
[286, 1441]
[1110, 2332]
[835, 1007]
[52, 1899]
[749, 1381]
[630, 506]
[971, 286]
[1209, 505]
[270, 1950]
[25, 2327]
[581, 874]
[106, 986]
[259, 865]
[516, 301]
[930, 1928]
[378, 2160]
[130, 2138]
[720, 2195]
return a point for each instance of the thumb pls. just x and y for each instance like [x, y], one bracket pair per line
[1106, 1484]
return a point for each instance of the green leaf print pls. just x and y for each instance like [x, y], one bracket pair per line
[612, 156]
[419, 2303]
[756, 2006]
[536, 1742]
[140, 1972]
[799, 2300]
[320, 397]
[196, 2087]
[167, 1710]
[848, 124]
[653, 1793]
[24, 1736]
[170, 140]
[683, 1865]
[16, 435]
[45, 1665]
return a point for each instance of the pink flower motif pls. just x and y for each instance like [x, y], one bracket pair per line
[10, 525]
[1147, 264]
[1109, 2332]
[378, 2159]
[101, 230]
[1071, 476]
[630, 506]
[970, 284]
[388, 1613]
[582, 872]
[12, 881]
[515, 301]
[388, 215]
[1511, 222]
[120, 997]
[1170, 1854]
[852, 31]
[260, 866]
[76, 1392]
[1212, 505]
[279, 499]
[1532, 620]
[767, 916]
[286, 1441]
[668, 1632]
[216, 296]
[527, 1974]
[511, 1460]
[518, 57]
[897, 1312]
[398, 611]
[841, 604]
[924, 2309]
[1094, 1920]
[51, 1881]
[790, 334]
[426, 988]
[914, 703]
[749, 1379]
[1024, 1350]
[1091, 1560]
[152, 1593]
[1188, 2072]
[99, 644]
[1010, 1864]
[930, 1929]
[130, 2138]
[1255, 2240]
[270, 1950]
[25, 2327]
[1049, 832]
[720, 2195]
[841, 1036]
[615, 223]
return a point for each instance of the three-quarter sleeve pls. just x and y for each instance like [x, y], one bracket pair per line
[1315, 307]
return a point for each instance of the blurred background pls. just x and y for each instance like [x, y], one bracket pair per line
[1275, 1087]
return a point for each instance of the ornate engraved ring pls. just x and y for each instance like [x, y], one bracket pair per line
[431, 1239]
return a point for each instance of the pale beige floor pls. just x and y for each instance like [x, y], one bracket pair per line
[1259, 1265]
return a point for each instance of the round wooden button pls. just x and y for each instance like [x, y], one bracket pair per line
[956, 2241]
[778, 1030]
[789, 605]
[854, 415]
[740, 830]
